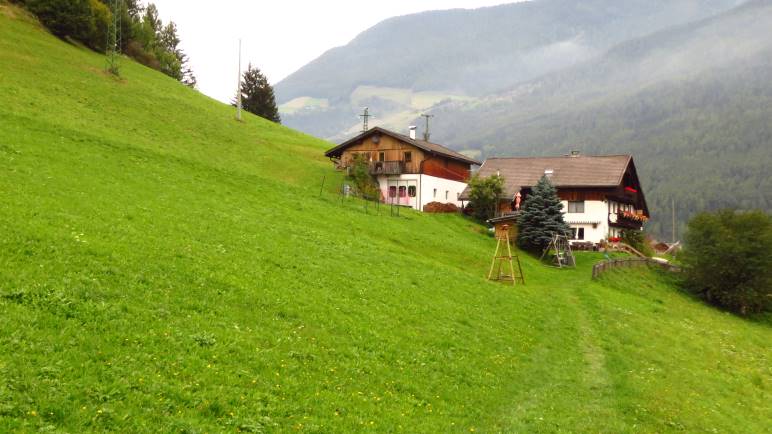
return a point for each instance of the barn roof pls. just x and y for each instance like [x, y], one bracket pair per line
[430, 147]
[567, 171]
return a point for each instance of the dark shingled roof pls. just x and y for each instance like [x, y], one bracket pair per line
[430, 147]
[568, 171]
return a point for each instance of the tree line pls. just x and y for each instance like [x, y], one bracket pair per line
[144, 36]
[146, 39]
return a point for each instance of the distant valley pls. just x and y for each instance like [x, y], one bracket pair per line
[682, 85]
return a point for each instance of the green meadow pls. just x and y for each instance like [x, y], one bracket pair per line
[165, 268]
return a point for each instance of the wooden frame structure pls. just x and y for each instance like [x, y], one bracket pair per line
[564, 257]
[509, 258]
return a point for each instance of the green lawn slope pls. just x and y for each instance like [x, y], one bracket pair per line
[164, 268]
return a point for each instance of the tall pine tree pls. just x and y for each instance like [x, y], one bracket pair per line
[542, 215]
[257, 95]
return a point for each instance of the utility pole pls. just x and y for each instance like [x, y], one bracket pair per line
[672, 203]
[365, 116]
[238, 88]
[426, 130]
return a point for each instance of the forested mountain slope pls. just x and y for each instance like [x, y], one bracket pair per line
[693, 104]
[165, 268]
[405, 64]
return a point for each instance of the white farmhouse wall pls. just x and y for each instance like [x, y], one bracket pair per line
[426, 186]
[444, 188]
[595, 214]
[406, 181]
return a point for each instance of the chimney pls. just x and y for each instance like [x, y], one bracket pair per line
[412, 131]
[575, 153]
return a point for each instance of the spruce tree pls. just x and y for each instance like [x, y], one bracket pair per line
[257, 95]
[541, 216]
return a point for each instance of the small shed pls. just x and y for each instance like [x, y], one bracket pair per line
[508, 221]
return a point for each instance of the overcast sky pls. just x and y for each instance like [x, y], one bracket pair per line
[277, 36]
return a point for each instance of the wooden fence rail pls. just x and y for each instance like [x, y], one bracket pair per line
[600, 267]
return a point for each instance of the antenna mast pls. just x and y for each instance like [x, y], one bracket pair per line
[238, 88]
[426, 130]
[114, 37]
[365, 116]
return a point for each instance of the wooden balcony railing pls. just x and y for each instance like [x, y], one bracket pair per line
[387, 168]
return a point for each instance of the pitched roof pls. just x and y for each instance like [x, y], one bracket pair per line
[430, 147]
[568, 171]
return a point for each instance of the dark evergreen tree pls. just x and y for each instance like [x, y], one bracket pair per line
[257, 95]
[541, 216]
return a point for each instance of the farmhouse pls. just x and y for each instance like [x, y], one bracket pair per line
[601, 195]
[410, 172]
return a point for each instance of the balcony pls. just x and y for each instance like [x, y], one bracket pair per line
[387, 167]
[628, 219]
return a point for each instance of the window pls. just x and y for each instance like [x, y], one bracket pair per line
[576, 206]
[578, 233]
[411, 190]
[402, 191]
[381, 156]
[408, 156]
[392, 191]
[435, 193]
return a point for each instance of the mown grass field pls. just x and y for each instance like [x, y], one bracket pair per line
[164, 268]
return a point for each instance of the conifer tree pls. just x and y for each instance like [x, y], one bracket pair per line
[257, 95]
[542, 215]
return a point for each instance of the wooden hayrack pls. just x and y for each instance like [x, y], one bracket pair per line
[509, 258]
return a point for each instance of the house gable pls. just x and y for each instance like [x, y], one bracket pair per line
[389, 153]
[576, 177]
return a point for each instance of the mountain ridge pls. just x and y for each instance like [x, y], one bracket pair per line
[699, 88]
[468, 53]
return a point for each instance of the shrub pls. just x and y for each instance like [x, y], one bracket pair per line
[135, 51]
[728, 260]
[359, 175]
[484, 194]
[637, 240]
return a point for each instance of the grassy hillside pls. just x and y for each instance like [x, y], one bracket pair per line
[164, 268]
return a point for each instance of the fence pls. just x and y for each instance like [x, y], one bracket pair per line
[600, 267]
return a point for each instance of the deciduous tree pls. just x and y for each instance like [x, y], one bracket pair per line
[728, 259]
[484, 194]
